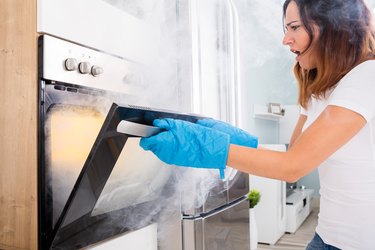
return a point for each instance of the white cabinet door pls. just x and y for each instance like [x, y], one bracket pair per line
[100, 25]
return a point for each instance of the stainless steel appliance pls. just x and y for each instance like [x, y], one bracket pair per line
[77, 88]
[223, 220]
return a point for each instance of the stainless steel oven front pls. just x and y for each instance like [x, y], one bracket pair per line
[85, 181]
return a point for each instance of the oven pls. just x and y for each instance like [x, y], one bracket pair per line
[72, 109]
[96, 184]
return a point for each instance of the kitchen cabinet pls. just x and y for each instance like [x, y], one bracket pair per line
[298, 208]
[18, 125]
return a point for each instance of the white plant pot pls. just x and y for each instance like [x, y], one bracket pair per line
[253, 230]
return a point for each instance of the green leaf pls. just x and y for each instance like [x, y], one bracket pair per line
[253, 197]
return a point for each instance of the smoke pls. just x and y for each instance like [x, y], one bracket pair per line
[261, 29]
[157, 80]
[149, 190]
[70, 131]
[371, 5]
[266, 64]
[153, 192]
[141, 9]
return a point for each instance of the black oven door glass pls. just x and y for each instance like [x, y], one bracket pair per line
[117, 183]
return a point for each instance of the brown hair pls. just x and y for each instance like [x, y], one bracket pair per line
[345, 39]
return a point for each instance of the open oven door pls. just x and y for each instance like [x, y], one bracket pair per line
[93, 212]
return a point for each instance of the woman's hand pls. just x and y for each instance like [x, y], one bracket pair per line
[237, 135]
[188, 144]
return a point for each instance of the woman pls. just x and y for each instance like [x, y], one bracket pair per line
[334, 43]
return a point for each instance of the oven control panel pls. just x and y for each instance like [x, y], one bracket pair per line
[75, 64]
[71, 64]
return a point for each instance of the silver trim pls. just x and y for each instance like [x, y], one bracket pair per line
[116, 71]
[136, 129]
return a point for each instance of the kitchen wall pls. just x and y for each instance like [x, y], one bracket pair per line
[371, 4]
[266, 64]
[266, 69]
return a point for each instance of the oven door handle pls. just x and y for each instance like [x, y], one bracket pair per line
[137, 129]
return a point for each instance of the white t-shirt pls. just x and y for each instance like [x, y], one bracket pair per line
[347, 177]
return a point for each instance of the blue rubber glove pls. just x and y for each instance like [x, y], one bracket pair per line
[188, 144]
[237, 135]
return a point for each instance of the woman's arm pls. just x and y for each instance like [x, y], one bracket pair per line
[298, 129]
[332, 129]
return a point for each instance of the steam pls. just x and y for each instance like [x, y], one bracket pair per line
[157, 80]
[161, 191]
[150, 190]
[141, 9]
[371, 5]
[261, 23]
[266, 64]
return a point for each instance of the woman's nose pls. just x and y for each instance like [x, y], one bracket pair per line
[287, 40]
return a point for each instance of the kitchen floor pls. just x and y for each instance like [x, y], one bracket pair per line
[299, 239]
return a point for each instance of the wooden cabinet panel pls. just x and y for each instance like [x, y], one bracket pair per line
[18, 124]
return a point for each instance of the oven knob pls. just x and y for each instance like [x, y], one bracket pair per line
[84, 67]
[96, 70]
[70, 64]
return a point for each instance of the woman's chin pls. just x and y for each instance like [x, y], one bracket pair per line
[306, 66]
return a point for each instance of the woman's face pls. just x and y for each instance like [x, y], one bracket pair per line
[297, 38]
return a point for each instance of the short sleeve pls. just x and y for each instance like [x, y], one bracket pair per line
[303, 111]
[356, 91]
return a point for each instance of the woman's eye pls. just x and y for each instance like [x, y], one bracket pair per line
[294, 27]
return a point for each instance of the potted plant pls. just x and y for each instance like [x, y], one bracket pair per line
[253, 197]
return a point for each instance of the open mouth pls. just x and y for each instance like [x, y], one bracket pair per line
[296, 52]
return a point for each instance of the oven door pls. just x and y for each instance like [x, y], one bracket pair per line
[96, 182]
